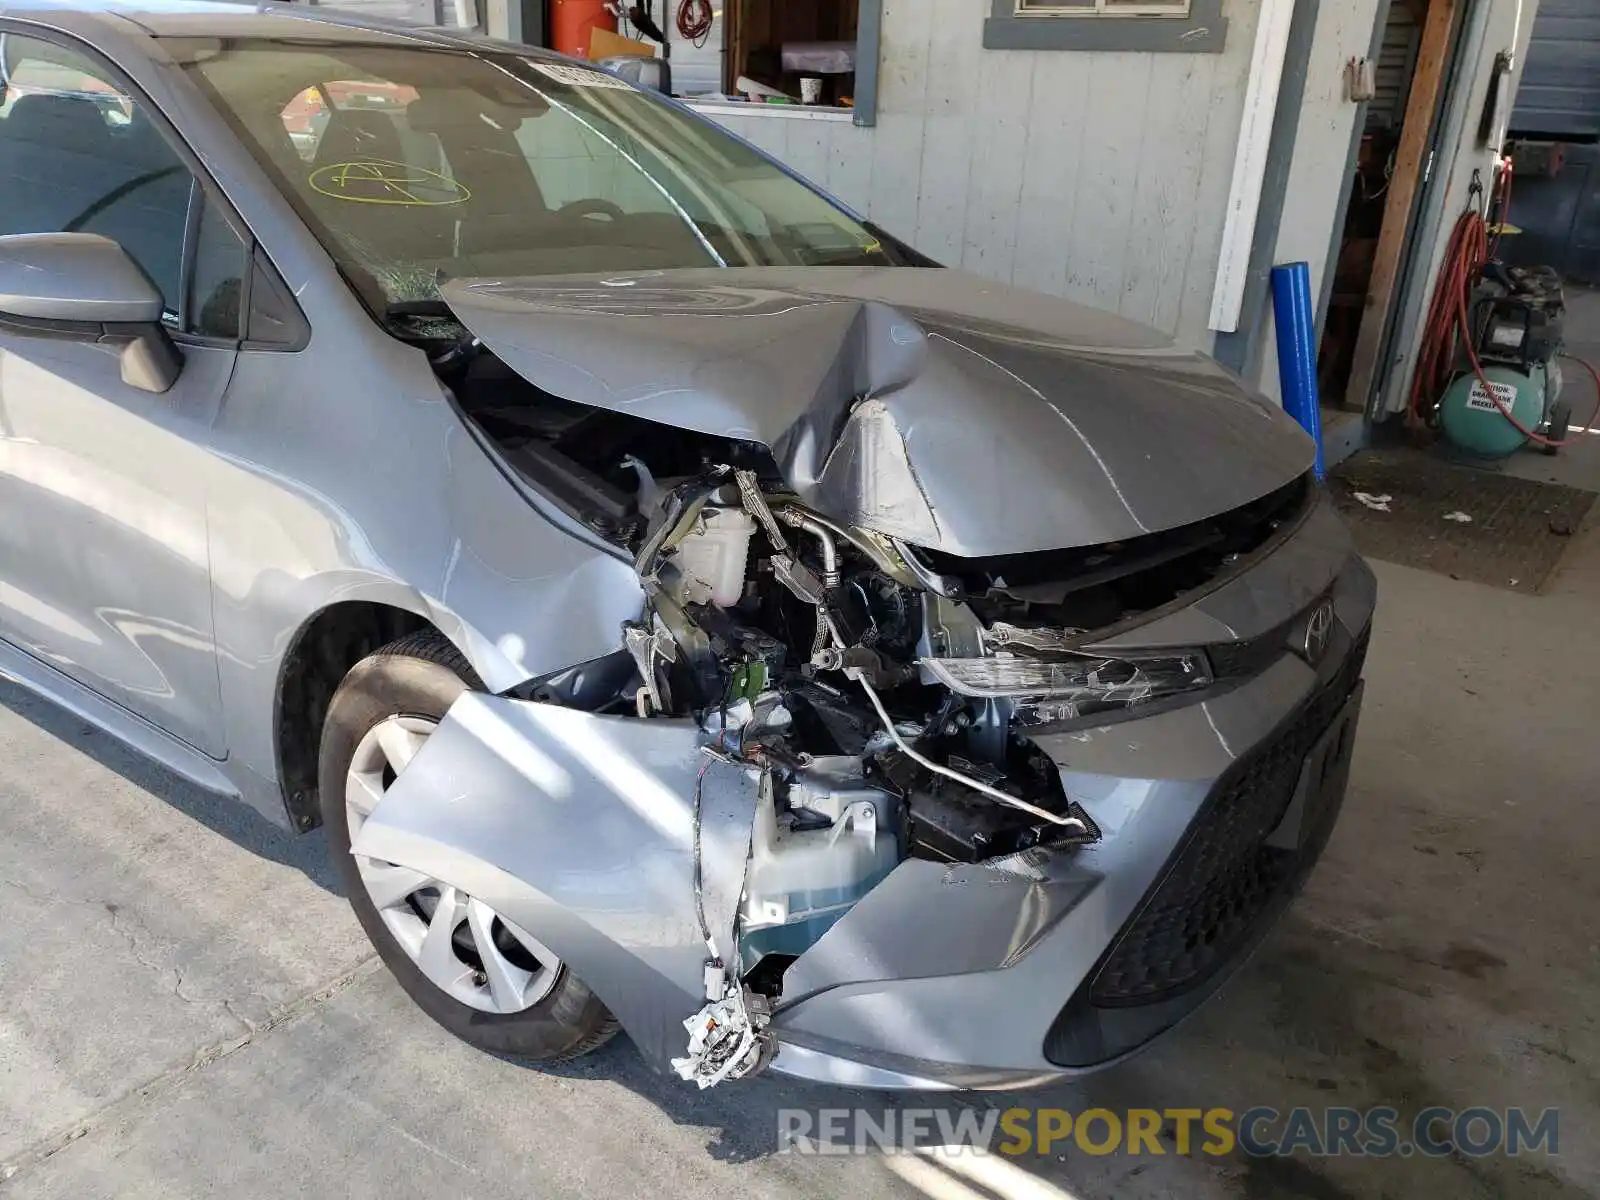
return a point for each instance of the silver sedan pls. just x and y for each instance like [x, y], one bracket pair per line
[687, 608]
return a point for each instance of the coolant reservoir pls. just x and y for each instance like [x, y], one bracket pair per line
[801, 881]
[712, 559]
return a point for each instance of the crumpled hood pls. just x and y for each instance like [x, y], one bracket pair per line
[959, 414]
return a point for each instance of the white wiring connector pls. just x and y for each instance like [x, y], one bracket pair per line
[728, 1038]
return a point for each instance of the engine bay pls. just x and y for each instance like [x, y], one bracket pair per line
[883, 694]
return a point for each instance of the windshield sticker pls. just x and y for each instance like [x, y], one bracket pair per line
[578, 76]
[379, 181]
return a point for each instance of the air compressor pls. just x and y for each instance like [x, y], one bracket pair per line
[1515, 318]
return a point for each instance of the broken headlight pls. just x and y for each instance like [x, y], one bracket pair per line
[1060, 688]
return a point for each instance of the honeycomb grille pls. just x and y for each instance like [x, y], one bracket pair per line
[1226, 879]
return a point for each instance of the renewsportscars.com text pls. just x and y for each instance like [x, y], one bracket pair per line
[1259, 1132]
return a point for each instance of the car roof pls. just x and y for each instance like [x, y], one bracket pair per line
[226, 18]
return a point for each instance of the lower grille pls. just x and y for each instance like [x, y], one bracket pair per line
[1226, 878]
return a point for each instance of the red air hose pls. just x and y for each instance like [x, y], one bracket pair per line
[1447, 320]
[694, 20]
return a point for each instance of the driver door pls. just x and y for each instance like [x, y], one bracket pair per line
[104, 570]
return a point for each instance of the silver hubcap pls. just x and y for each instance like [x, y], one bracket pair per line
[462, 945]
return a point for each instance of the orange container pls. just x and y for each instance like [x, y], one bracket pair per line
[571, 22]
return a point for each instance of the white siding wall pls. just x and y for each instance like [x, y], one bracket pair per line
[1321, 155]
[1098, 176]
[422, 12]
[696, 70]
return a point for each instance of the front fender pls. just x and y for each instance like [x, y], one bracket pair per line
[392, 502]
[582, 829]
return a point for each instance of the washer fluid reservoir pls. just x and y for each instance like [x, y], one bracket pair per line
[712, 559]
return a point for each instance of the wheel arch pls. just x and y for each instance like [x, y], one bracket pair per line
[335, 623]
[320, 654]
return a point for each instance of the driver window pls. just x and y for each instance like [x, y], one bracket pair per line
[78, 155]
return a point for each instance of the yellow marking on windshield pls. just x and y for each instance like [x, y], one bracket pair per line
[380, 181]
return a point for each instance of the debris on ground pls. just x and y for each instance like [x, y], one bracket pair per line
[1459, 517]
[1375, 503]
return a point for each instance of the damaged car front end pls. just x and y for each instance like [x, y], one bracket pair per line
[994, 687]
[834, 663]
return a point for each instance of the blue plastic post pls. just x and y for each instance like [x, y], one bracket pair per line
[1297, 349]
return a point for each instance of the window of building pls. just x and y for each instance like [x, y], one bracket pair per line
[1103, 8]
[1186, 26]
[814, 58]
[78, 154]
[803, 53]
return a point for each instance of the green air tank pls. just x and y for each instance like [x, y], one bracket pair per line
[1472, 421]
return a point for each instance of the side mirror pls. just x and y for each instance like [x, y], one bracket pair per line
[652, 73]
[84, 288]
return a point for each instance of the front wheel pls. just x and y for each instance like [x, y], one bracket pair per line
[484, 978]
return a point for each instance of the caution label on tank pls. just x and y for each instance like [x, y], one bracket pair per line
[1481, 400]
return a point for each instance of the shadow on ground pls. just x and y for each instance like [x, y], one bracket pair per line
[1317, 1019]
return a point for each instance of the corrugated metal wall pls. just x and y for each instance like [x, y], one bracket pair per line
[1392, 72]
[1560, 92]
[1559, 100]
[1098, 176]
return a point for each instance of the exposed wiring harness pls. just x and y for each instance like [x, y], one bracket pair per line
[695, 19]
[1449, 327]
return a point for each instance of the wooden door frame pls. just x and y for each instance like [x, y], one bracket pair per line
[1435, 53]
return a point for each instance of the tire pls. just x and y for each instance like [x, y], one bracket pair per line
[416, 679]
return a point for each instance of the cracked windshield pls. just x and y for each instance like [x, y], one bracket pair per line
[413, 165]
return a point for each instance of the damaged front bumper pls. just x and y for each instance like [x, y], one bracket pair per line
[627, 845]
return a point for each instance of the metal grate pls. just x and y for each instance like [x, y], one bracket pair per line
[1518, 532]
[1226, 879]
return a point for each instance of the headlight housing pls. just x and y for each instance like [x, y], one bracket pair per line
[1063, 687]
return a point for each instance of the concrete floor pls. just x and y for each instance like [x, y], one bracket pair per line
[187, 1008]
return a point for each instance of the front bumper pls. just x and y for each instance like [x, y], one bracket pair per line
[584, 827]
[1213, 816]
[1099, 952]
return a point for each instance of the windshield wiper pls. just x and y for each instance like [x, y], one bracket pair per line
[431, 322]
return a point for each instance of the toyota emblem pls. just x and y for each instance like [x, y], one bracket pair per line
[1319, 631]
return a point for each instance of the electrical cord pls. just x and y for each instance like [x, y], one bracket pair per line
[1502, 210]
[694, 20]
[620, 11]
[1448, 326]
